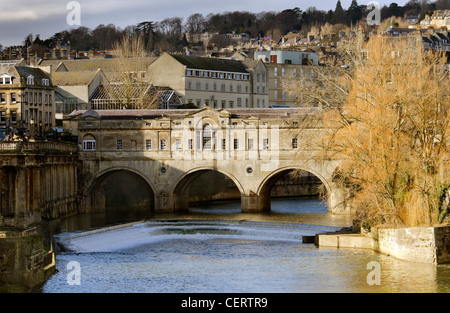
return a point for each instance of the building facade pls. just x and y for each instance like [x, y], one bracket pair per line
[27, 100]
[217, 83]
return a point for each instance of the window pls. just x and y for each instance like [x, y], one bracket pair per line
[88, 145]
[30, 80]
[5, 79]
[207, 137]
[198, 86]
[265, 144]
[250, 144]
[148, 144]
[190, 144]
[236, 144]
[119, 144]
[3, 97]
[294, 143]
[275, 71]
[45, 82]
[163, 144]
[224, 144]
[13, 116]
[178, 144]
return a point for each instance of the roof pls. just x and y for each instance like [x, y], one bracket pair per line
[37, 73]
[79, 65]
[182, 113]
[74, 78]
[214, 64]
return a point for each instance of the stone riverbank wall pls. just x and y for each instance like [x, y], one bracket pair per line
[415, 244]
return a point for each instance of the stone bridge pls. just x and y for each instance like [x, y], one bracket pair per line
[157, 154]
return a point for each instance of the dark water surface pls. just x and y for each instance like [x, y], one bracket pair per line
[218, 249]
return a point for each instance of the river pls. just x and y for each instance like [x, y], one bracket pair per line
[217, 249]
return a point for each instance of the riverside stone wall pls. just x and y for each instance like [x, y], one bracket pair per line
[414, 244]
[21, 261]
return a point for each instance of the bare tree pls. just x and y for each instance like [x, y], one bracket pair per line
[195, 25]
[131, 90]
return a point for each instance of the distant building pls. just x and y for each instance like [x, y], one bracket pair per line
[213, 82]
[287, 57]
[439, 20]
[27, 99]
[283, 66]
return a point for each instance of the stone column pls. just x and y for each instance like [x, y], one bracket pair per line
[253, 203]
[166, 203]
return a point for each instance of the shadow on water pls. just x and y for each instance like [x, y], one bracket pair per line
[301, 211]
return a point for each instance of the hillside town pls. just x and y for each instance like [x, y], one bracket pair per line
[39, 89]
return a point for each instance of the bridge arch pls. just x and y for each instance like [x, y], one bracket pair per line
[265, 187]
[122, 192]
[180, 189]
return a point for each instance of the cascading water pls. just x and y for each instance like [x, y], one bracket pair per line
[220, 255]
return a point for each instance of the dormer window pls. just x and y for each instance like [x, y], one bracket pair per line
[30, 80]
[45, 82]
[5, 80]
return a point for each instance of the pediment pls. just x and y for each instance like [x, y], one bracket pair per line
[211, 113]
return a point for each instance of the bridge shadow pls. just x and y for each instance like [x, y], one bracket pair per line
[214, 192]
[121, 195]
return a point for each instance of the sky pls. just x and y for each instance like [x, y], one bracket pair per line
[19, 18]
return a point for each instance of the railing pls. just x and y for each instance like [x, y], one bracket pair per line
[21, 146]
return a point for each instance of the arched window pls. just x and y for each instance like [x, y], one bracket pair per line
[207, 137]
[89, 143]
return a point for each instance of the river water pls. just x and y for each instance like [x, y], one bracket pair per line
[220, 250]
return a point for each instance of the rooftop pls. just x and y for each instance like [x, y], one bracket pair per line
[217, 64]
[182, 113]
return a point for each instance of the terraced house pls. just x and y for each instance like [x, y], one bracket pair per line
[213, 82]
[26, 99]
